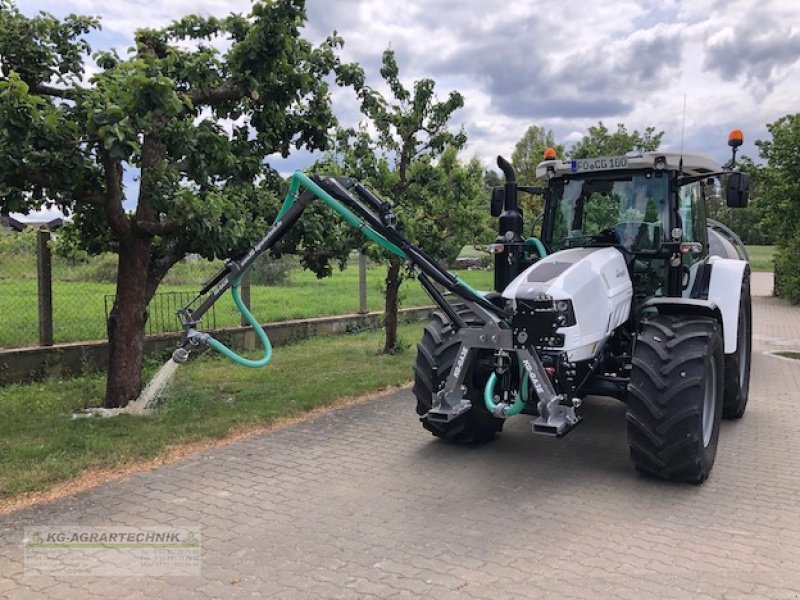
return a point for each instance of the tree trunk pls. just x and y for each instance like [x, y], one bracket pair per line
[392, 297]
[126, 323]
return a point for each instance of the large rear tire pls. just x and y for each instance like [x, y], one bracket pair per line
[675, 397]
[737, 365]
[435, 356]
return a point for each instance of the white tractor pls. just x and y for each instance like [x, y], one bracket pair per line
[629, 291]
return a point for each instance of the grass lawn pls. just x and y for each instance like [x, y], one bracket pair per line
[761, 258]
[78, 307]
[41, 445]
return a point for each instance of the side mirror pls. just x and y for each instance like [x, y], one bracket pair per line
[497, 201]
[737, 189]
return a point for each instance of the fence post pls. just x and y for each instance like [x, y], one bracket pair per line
[245, 295]
[44, 277]
[362, 284]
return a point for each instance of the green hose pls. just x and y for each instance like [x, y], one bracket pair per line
[488, 399]
[519, 403]
[534, 241]
[262, 335]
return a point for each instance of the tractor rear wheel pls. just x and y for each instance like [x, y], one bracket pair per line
[435, 356]
[675, 397]
[737, 365]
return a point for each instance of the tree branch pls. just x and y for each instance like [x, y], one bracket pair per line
[154, 228]
[224, 93]
[48, 90]
[115, 214]
[159, 267]
[94, 199]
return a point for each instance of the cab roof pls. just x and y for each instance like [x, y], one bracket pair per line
[693, 164]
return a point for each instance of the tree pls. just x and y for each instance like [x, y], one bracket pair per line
[413, 126]
[445, 205]
[193, 123]
[779, 190]
[749, 222]
[601, 142]
[528, 153]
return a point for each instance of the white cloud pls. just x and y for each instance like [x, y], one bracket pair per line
[560, 66]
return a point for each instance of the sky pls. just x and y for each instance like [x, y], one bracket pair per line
[561, 65]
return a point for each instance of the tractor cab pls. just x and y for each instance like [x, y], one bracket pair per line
[652, 206]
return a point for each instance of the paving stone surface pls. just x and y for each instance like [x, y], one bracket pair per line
[363, 503]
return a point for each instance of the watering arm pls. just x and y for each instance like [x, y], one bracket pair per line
[360, 208]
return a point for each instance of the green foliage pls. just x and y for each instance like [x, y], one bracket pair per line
[401, 164]
[103, 269]
[787, 269]
[161, 109]
[778, 186]
[273, 271]
[23, 242]
[601, 212]
[601, 142]
[414, 123]
[748, 223]
[195, 120]
[413, 156]
[444, 207]
[528, 153]
[751, 222]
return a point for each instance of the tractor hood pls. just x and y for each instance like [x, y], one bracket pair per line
[596, 283]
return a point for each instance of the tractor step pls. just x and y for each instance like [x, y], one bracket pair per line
[444, 412]
[555, 427]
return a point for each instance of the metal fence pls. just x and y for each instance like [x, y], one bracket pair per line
[47, 299]
[161, 312]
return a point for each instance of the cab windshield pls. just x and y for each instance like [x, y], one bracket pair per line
[627, 209]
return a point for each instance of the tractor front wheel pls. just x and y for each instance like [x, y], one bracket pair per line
[435, 356]
[675, 397]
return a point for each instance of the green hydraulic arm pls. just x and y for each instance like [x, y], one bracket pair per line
[360, 208]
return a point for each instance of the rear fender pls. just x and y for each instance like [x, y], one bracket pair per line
[725, 290]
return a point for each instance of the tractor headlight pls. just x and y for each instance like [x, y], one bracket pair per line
[562, 306]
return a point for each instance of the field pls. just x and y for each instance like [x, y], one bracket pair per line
[79, 306]
[761, 257]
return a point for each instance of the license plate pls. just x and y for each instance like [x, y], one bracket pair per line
[583, 165]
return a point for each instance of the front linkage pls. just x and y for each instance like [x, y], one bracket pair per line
[374, 218]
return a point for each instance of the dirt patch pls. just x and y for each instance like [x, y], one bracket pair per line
[94, 477]
[794, 355]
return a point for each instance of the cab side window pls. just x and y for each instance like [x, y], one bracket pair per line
[692, 208]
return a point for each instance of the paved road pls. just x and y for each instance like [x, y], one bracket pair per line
[361, 502]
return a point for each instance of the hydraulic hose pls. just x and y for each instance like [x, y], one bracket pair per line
[534, 241]
[262, 335]
[488, 398]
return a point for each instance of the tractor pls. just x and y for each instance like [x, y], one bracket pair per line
[628, 291]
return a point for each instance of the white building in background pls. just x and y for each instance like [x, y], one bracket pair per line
[44, 216]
